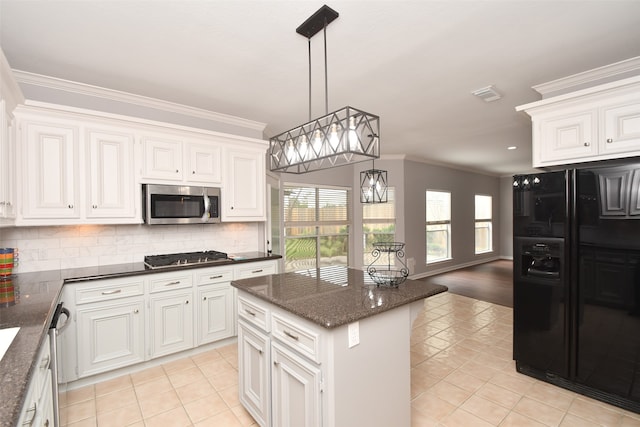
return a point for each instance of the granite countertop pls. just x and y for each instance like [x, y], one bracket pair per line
[334, 296]
[35, 298]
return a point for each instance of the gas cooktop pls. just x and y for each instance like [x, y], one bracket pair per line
[187, 258]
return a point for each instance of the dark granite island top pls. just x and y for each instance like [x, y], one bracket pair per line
[335, 338]
[334, 296]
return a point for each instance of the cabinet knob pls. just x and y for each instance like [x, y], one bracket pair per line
[70, 206]
[95, 206]
[177, 171]
[186, 302]
[586, 144]
[276, 363]
[609, 140]
[204, 298]
[231, 207]
[193, 172]
[136, 311]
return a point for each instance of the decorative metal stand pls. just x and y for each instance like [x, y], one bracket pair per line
[390, 274]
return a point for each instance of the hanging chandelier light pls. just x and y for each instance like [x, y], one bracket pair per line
[342, 137]
[373, 186]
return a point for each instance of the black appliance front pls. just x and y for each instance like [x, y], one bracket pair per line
[540, 339]
[607, 313]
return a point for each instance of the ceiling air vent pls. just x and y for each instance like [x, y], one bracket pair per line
[487, 94]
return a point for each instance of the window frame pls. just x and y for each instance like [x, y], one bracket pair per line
[447, 223]
[317, 224]
[380, 220]
[483, 220]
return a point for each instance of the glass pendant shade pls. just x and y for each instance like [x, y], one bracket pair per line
[373, 186]
[342, 137]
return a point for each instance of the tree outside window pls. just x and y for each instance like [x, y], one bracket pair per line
[316, 222]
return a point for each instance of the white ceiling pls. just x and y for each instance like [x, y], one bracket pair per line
[413, 63]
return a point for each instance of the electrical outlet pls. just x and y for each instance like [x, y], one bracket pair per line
[354, 334]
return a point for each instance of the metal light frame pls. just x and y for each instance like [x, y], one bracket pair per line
[345, 136]
[373, 186]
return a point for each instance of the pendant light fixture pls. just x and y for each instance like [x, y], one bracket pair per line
[373, 186]
[339, 138]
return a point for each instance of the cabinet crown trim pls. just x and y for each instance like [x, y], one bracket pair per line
[143, 101]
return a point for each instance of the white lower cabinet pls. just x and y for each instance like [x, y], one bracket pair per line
[295, 389]
[279, 385]
[110, 335]
[254, 381]
[38, 408]
[171, 323]
[129, 320]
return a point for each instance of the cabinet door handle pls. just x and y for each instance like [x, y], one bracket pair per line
[177, 282]
[45, 362]
[33, 417]
[249, 312]
[290, 335]
[256, 271]
[609, 140]
[115, 291]
[586, 144]
[215, 277]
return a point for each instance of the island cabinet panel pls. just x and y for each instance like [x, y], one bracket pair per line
[296, 389]
[319, 376]
[254, 381]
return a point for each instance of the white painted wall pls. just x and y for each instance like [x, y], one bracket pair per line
[53, 248]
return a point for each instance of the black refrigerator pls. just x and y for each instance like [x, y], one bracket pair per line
[576, 276]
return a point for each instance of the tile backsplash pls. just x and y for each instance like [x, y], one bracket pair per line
[61, 247]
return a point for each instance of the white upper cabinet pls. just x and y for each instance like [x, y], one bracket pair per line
[83, 167]
[181, 160]
[597, 123]
[243, 198]
[111, 176]
[75, 171]
[50, 170]
[162, 158]
[7, 164]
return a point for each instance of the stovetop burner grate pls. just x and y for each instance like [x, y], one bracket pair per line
[187, 258]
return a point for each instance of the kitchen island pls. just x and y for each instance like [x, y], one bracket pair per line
[327, 347]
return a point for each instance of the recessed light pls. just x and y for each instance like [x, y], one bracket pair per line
[513, 147]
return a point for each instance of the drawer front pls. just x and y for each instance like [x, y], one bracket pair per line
[109, 290]
[213, 275]
[306, 341]
[170, 282]
[253, 313]
[256, 269]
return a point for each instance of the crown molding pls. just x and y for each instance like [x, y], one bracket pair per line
[129, 98]
[616, 70]
[9, 88]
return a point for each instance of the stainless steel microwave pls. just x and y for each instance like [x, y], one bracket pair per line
[178, 204]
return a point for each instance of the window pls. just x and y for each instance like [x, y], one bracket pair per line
[483, 224]
[378, 224]
[438, 215]
[316, 227]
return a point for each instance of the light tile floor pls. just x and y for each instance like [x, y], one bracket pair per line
[462, 376]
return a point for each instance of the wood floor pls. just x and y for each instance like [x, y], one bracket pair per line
[491, 282]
